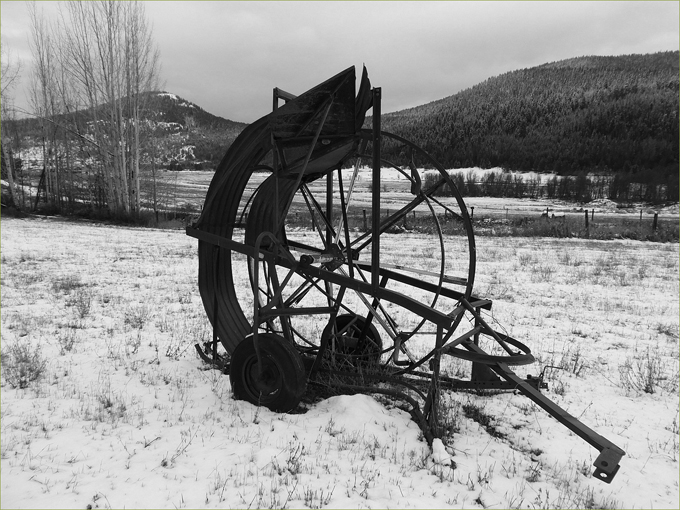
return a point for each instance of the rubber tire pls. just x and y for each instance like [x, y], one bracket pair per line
[370, 351]
[284, 382]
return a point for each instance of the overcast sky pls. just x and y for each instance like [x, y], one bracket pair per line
[227, 56]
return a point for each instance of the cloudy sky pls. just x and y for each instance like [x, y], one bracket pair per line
[227, 56]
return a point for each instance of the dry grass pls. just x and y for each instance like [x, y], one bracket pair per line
[108, 315]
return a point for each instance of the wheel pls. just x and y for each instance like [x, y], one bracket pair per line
[426, 247]
[281, 380]
[346, 338]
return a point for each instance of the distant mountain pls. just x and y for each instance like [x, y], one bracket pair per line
[185, 135]
[585, 114]
[200, 137]
[168, 107]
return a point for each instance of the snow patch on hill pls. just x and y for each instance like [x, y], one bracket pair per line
[168, 94]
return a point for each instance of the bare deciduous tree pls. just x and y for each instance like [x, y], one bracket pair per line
[99, 58]
[44, 101]
[9, 71]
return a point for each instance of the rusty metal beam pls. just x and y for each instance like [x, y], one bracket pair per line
[607, 463]
[375, 199]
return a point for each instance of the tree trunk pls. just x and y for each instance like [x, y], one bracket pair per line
[9, 165]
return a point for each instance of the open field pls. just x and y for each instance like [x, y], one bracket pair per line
[122, 413]
[190, 186]
[185, 192]
[180, 196]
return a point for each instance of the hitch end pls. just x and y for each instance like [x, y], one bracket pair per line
[607, 464]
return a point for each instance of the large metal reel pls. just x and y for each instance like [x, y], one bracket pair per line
[364, 305]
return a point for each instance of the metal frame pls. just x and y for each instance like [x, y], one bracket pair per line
[332, 272]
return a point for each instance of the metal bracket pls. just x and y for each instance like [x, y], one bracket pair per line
[607, 465]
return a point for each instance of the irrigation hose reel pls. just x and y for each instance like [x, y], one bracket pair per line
[349, 305]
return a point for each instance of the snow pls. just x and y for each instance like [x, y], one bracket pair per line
[439, 454]
[170, 126]
[395, 185]
[186, 152]
[128, 416]
[175, 98]
[167, 94]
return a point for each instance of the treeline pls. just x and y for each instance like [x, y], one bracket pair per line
[98, 131]
[578, 188]
[598, 115]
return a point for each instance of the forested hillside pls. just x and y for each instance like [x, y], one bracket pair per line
[586, 114]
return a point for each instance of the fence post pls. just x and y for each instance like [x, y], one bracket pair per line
[640, 216]
[587, 219]
[656, 218]
[365, 222]
[592, 215]
[472, 214]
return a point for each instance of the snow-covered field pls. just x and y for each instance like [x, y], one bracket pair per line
[190, 187]
[126, 415]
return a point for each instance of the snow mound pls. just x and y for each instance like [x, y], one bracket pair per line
[439, 454]
[349, 410]
[365, 416]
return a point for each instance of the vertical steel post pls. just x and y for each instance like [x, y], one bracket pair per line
[275, 157]
[431, 407]
[329, 230]
[375, 202]
[329, 208]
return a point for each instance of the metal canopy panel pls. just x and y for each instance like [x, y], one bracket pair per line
[301, 116]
